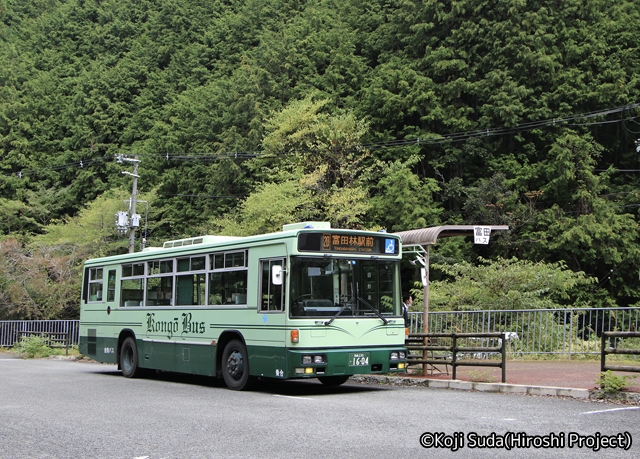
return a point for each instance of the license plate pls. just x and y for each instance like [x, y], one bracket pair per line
[359, 360]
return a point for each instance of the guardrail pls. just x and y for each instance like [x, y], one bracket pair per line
[10, 330]
[429, 343]
[612, 337]
[561, 332]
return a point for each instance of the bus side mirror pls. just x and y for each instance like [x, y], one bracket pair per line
[276, 275]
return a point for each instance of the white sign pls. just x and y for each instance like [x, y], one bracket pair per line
[481, 234]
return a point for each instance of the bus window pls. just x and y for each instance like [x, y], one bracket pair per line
[160, 267]
[228, 287]
[190, 290]
[228, 281]
[343, 286]
[271, 295]
[160, 291]
[131, 292]
[111, 285]
[95, 284]
[190, 286]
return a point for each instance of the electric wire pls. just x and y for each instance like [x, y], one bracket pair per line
[435, 140]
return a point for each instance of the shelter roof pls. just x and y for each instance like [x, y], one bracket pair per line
[429, 236]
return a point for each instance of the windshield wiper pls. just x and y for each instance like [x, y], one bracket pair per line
[344, 306]
[386, 322]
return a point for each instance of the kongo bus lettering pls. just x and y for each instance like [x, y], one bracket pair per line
[175, 326]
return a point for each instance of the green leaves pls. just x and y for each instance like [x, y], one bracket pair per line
[318, 94]
[402, 200]
[505, 284]
[266, 210]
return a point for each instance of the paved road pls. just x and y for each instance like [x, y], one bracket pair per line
[60, 409]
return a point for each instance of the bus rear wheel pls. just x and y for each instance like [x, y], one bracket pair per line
[235, 366]
[333, 380]
[129, 359]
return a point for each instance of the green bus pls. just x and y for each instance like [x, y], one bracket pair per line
[307, 302]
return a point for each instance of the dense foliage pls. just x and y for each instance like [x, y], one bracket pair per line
[247, 114]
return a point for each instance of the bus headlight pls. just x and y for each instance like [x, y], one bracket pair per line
[398, 355]
[309, 359]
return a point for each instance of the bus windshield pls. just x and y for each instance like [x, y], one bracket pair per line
[347, 287]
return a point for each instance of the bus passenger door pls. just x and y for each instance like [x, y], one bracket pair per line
[270, 357]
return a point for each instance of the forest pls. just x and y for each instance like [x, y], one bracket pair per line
[379, 114]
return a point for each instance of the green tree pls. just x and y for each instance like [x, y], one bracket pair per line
[267, 209]
[584, 227]
[505, 284]
[402, 200]
[39, 282]
[323, 153]
[16, 217]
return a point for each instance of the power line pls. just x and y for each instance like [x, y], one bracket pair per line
[435, 140]
[208, 196]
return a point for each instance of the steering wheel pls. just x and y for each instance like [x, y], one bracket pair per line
[306, 295]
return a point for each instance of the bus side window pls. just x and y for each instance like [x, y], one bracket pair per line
[95, 284]
[271, 295]
[111, 285]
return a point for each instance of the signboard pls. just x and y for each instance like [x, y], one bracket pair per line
[348, 243]
[481, 234]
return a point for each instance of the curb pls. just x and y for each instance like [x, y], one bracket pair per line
[505, 388]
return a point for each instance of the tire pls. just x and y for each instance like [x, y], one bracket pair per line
[235, 366]
[334, 380]
[129, 359]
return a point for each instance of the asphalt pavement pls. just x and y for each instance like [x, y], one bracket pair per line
[571, 378]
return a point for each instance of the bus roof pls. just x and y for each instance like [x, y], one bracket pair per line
[201, 243]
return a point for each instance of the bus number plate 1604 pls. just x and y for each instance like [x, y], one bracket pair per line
[359, 360]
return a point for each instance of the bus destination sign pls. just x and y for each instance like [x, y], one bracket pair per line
[348, 243]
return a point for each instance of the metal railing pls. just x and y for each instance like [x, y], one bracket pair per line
[562, 332]
[11, 330]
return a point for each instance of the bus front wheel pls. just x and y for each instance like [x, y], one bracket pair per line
[129, 359]
[333, 380]
[235, 366]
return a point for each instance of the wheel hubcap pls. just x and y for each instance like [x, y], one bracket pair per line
[127, 359]
[235, 365]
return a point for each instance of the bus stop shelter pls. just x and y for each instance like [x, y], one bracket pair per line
[419, 242]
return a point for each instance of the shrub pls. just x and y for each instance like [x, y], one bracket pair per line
[481, 376]
[611, 383]
[34, 346]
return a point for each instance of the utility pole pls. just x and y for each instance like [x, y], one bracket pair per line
[134, 193]
[134, 218]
